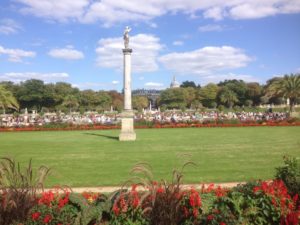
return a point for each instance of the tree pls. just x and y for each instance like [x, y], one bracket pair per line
[237, 86]
[7, 100]
[253, 93]
[140, 102]
[71, 102]
[228, 97]
[104, 100]
[63, 89]
[187, 83]
[31, 94]
[117, 100]
[208, 94]
[173, 98]
[287, 87]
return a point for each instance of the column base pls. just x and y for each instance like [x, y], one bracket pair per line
[127, 130]
[127, 136]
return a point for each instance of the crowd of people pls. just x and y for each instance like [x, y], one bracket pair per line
[34, 119]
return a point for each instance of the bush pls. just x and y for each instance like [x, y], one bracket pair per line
[260, 203]
[289, 173]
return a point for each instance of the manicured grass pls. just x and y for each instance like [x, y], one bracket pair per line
[97, 158]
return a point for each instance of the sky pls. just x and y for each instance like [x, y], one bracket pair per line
[80, 41]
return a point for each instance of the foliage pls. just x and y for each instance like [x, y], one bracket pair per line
[287, 87]
[165, 202]
[140, 102]
[228, 97]
[208, 94]
[289, 173]
[187, 83]
[7, 100]
[174, 98]
[18, 190]
[267, 203]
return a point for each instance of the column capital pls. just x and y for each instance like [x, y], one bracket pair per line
[127, 51]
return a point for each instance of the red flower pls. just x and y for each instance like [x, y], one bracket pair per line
[195, 212]
[210, 217]
[47, 198]
[160, 190]
[63, 201]
[47, 218]
[222, 223]
[35, 216]
[116, 210]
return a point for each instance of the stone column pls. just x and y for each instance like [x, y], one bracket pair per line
[127, 129]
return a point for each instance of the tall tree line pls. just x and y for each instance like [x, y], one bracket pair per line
[36, 95]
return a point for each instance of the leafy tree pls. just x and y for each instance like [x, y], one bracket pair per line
[117, 100]
[63, 89]
[173, 98]
[7, 100]
[189, 95]
[287, 87]
[237, 86]
[208, 94]
[187, 83]
[253, 93]
[228, 97]
[31, 94]
[71, 102]
[104, 100]
[140, 102]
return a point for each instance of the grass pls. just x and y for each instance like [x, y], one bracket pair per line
[97, 158]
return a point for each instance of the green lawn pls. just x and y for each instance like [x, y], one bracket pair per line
[97, 158]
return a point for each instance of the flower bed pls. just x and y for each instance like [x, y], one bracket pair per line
[160, 203]
[252, 203]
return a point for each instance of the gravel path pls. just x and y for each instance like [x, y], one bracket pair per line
[109, 189]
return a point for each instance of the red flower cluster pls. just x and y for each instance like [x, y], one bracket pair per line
[281, 200]
[218, 191]
[191, 203]
[47, 198]
[129, 201]
[91, 197]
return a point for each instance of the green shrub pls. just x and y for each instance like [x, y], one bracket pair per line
[255, 203]
[289, 173]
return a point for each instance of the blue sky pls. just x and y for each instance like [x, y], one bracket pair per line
[80, 41]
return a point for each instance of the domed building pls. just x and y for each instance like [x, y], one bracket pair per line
[174, 83]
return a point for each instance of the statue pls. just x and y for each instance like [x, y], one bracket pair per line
[126, 36]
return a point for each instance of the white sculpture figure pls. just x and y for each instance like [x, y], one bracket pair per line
[126, 36]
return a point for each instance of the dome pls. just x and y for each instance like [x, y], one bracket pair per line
[174, 83]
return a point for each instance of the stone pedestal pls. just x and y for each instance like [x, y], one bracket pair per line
[127, 130]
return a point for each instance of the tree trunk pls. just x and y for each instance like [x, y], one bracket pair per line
[292, 104]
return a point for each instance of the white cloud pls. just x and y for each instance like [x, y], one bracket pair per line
[216, 13]
[177, 43]
[210, 27]
[115, 82]
[145, 52]
[95, 86]
[250, 11]
[16, 55]
[113, 11]
[62, 11]
[230, 76]
[154, 85]
[47, 77]
[9, 26]
[205, 60]
[68, 53]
